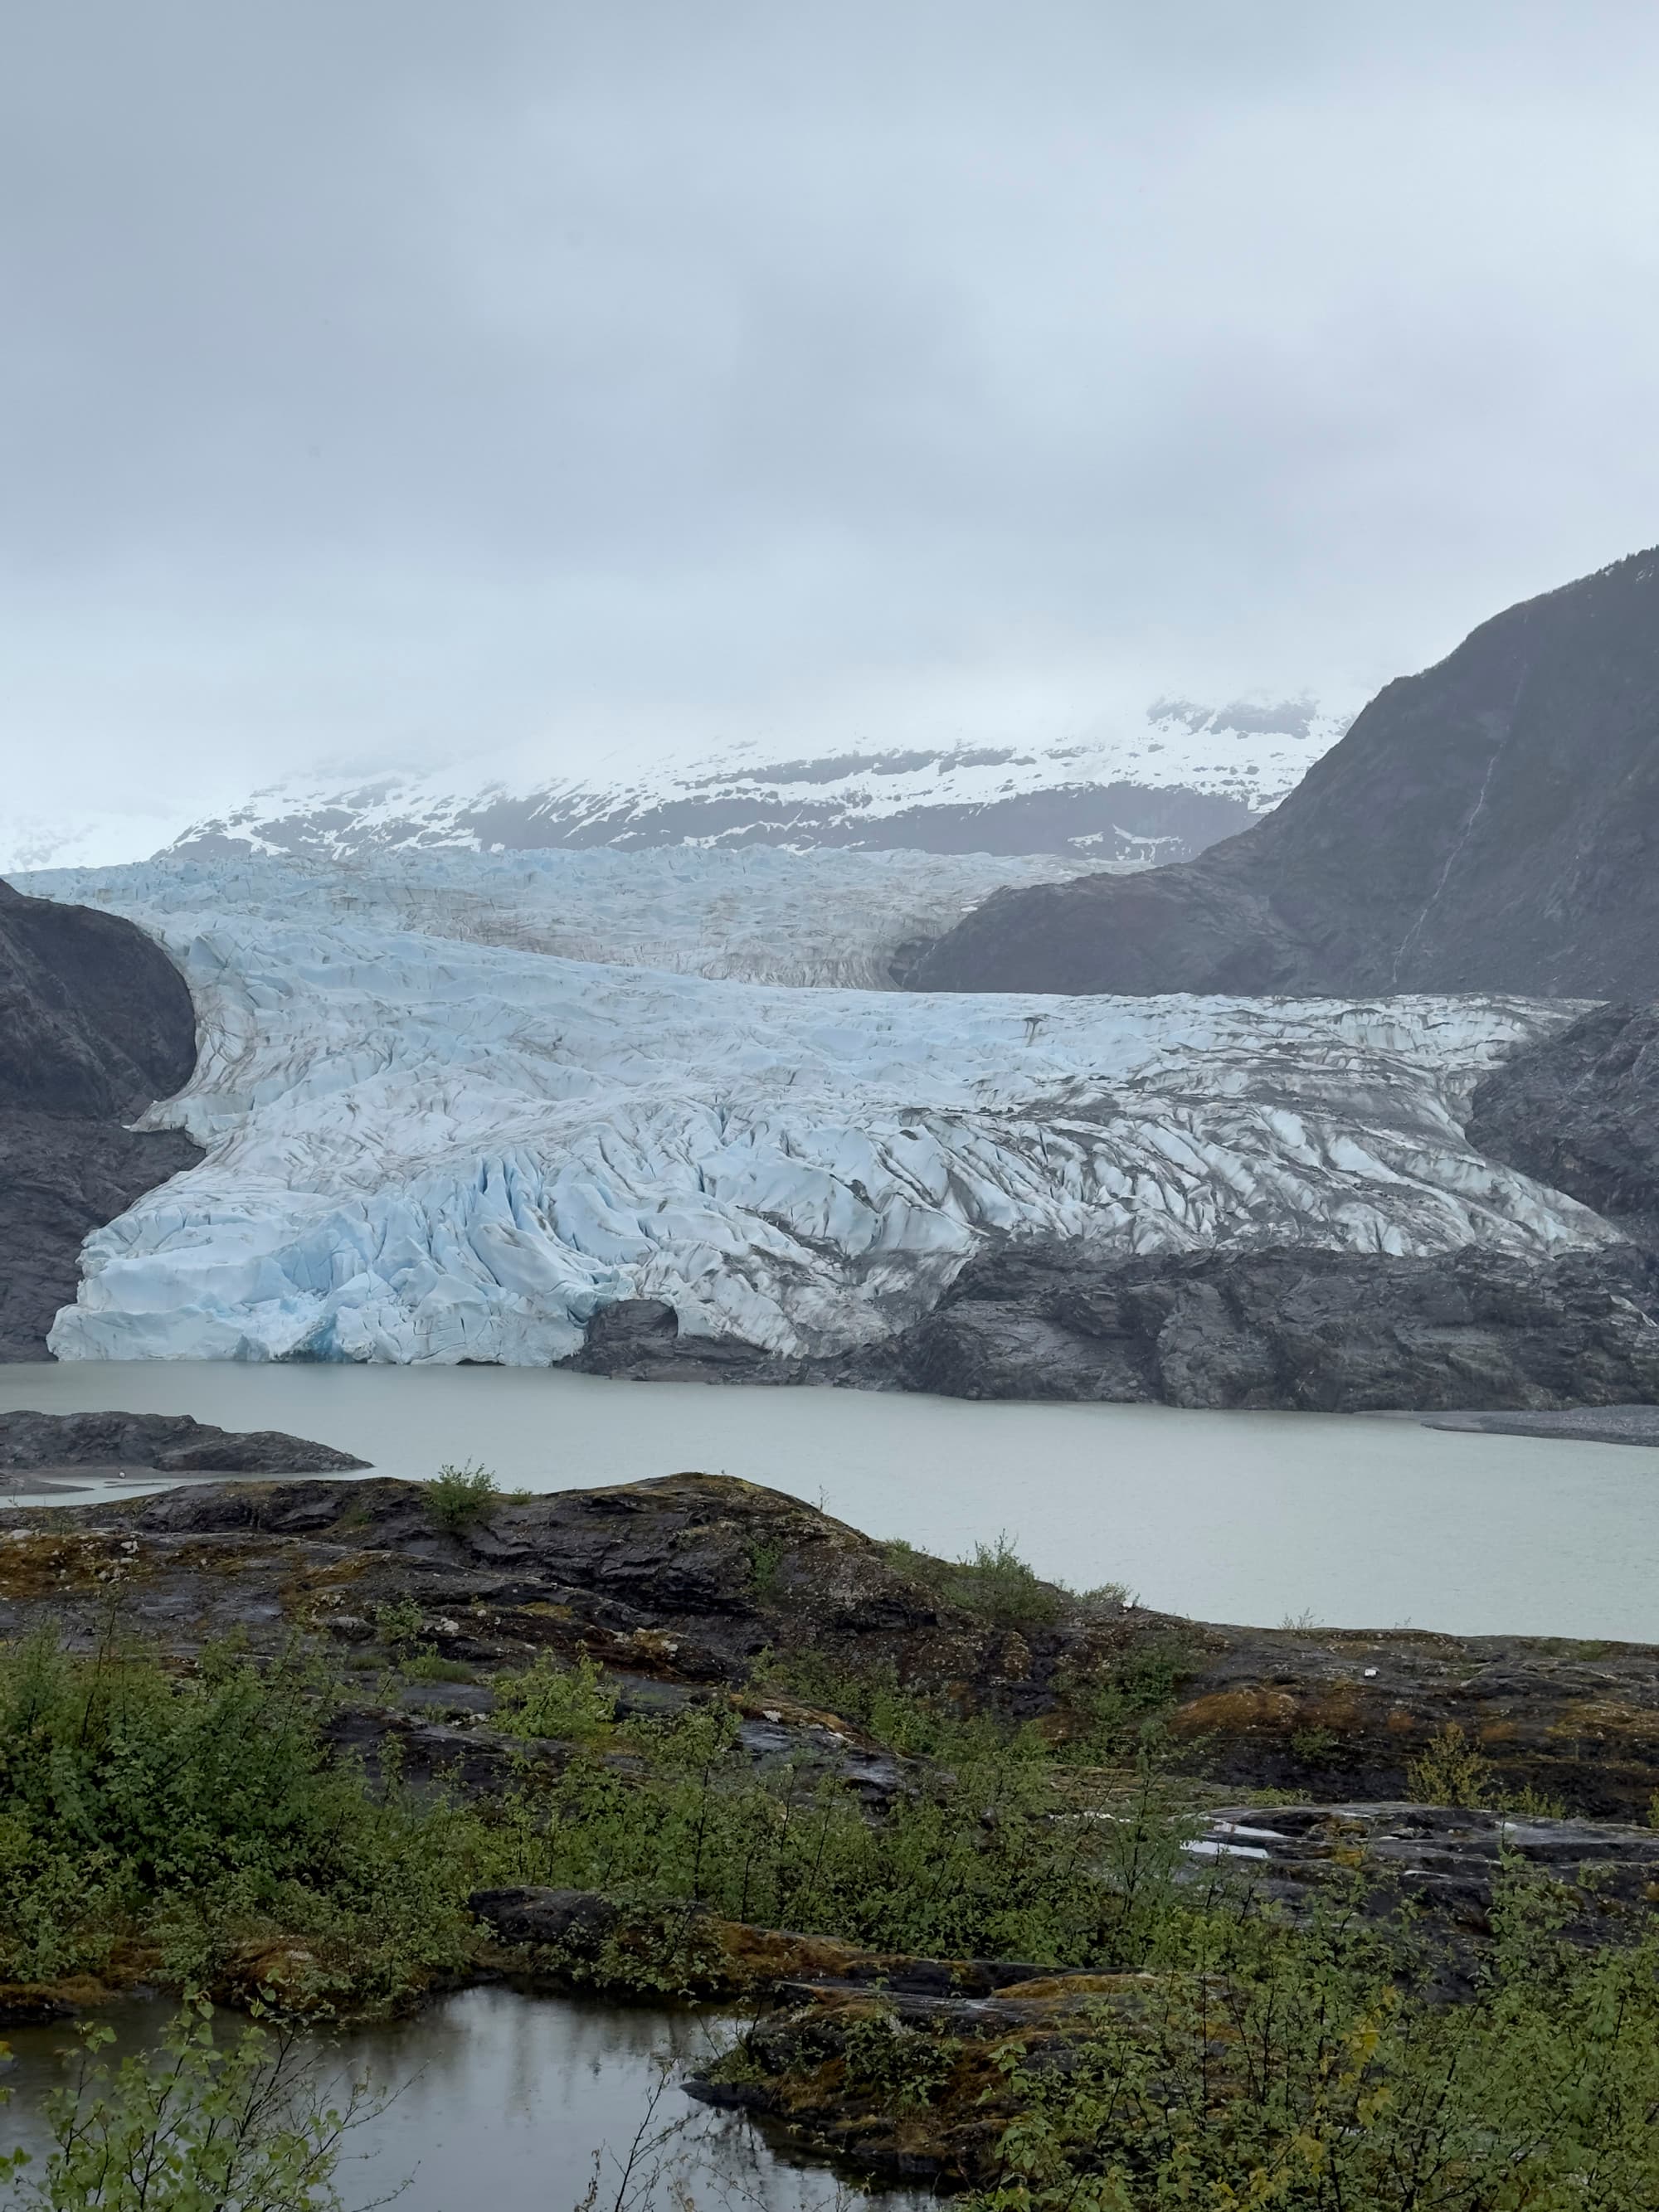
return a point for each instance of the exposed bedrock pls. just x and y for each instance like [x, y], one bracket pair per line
[658, 1582]
[639, 1340]
[1327, 1332]
[1287, 1327]
[95, 1022]
[1487, 825]
[1580, 1111]
[172, 1443]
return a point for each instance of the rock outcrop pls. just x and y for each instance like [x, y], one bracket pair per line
[1327, 1331]
[639, 1340]
[1487, 825]
[1289, 1328]
[1580, 1111]
[95, 1022]
[680, 1585]
[171, 1443]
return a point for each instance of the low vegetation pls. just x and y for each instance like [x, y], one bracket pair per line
[193, 1825]
[190, 1824]
[992, 1584]
[459, 1496]
[1311, 2073]
[206, 2124]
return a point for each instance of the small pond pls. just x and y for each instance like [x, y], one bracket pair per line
[499, 2103]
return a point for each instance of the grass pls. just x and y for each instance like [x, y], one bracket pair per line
[428, 1666]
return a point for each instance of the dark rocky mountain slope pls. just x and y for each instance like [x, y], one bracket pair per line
[1580, 1111]
[1292, 1328]
[95, 1022]
[1323, 1332]
[1490, 824]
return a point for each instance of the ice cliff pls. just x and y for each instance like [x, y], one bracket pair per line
[432, 1134]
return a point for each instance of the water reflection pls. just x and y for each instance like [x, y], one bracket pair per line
[502, 2101]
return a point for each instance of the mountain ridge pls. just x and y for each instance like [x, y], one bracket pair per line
[1188, 775]
[1488, 824]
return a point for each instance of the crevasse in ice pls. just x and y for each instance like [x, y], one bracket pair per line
[432, 1135]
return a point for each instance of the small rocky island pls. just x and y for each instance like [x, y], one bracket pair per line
[163, 1443]
[943, 1832]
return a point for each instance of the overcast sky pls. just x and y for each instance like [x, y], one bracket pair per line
[387, 380]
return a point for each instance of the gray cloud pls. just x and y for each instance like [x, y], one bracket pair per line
[394, 380]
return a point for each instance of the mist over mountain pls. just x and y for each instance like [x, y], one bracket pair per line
[1490, 824]
[1159, 790]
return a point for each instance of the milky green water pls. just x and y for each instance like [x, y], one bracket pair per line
[1363, 1521]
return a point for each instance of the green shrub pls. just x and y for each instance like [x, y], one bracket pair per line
[902, 2067]
[458, 1497]
[206, 1810]
[1306, 2071]
[1451, 1771]
[398, 1623]
[550, 1700]
[992, 1584]
[428, 1666]
[764, 1560]
[240, 2126]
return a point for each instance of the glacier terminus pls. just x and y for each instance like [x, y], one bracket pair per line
[453, 1103]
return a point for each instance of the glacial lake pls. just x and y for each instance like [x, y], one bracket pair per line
[1360, 1521]
[501, 2101]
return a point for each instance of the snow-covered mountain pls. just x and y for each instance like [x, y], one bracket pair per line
[427, 1140]
[1160, 788]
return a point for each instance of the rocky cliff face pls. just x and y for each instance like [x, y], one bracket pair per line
[1290, 1328]
[1580, 1111]
[1326, 1332]
[95, 1022]
[1490, 824]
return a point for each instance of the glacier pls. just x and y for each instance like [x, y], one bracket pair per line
[440, 1126]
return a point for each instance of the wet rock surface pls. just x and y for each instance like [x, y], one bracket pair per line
[171, 1444]
[1589, 1425]
[1328, 1332]
[1485, 825]
[95, 1024]
[1441, 1862]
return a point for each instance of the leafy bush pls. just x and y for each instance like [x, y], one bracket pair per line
[1310, 2072]
[992, 1584]
[459, 1496]
[239, 2126]
[904, 2068]
[990, 1860]
[398, 1623]
[1451, 1771]
[549, 1699]
[764, 1560]
[1119, 1710]
[205, 1811]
